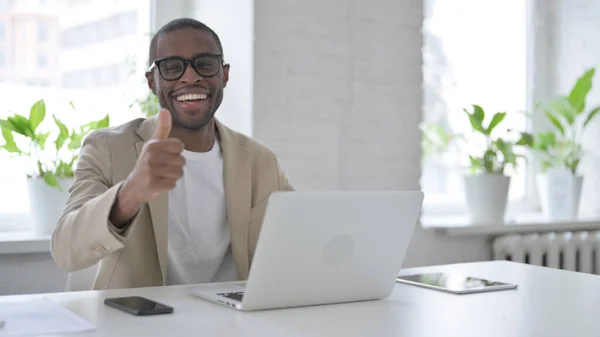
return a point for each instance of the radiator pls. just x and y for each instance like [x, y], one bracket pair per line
[575, 251]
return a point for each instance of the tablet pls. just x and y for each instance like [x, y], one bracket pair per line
[454, 283]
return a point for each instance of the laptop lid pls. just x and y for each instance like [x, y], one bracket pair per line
[330, 247]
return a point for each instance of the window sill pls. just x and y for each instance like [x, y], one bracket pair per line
[523, 223]
[25, 242]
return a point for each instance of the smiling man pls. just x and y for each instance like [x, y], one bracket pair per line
[178, 198]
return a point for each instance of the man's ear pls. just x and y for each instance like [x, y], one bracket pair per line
[225, 75]
[150, 80]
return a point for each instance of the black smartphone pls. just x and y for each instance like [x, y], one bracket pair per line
[138, 306]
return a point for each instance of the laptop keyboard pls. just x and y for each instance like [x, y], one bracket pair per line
[236, 296]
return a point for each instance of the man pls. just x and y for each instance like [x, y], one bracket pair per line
[174, 199]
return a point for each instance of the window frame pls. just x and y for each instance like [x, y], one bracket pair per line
[537, 84]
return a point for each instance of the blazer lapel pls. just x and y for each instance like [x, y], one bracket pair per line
[236, 174]
[158, 207]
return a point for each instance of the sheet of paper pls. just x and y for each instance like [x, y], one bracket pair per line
[40, 317]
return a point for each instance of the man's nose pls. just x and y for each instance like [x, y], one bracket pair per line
[190, 75]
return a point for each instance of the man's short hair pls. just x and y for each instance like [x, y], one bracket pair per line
[178, 24]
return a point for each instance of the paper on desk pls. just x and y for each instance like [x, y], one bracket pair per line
[38, 318]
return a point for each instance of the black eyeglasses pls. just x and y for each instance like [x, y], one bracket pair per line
[172, 68]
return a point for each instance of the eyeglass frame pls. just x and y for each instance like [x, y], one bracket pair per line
[187, 62]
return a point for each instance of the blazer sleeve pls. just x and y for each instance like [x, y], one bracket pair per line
[84, 235]
[283, 181]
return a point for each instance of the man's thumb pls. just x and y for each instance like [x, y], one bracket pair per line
[163, 129]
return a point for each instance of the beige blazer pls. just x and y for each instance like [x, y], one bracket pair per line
[138, 257]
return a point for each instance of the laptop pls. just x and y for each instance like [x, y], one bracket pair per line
[318, 248]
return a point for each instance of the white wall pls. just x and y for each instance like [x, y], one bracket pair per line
[232, 20]
[30, 273]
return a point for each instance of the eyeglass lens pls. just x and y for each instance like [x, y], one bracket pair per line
[204, 65]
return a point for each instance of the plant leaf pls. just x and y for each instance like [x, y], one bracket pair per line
[37, 114]
[498, 117]
[9, 142]
[554, 120]
[63, 134]
[560, 107]
[41, 139]
[591, 115]
[526, 140]
[478, 112]
[75, 142]
[489, 161]
[103, 123]
[476, 118]
[545, 141]
[50, 179]
[580, 90]
[476, 164]
[20, 125]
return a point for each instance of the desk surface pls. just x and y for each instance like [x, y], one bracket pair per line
[549, 302]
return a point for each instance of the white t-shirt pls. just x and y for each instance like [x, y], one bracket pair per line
[199, 242]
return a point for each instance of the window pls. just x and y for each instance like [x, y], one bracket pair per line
[120, 25]
[96, 71]
[475, 52]
[105, 76]
[42, 33]
[42, 60]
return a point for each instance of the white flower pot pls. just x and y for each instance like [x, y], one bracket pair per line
[487, 197]
[560, 193]
[46, 203]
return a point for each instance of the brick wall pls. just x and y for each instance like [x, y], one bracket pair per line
[337, 91]
[338, 95]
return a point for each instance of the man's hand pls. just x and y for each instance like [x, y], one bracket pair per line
[157, 170]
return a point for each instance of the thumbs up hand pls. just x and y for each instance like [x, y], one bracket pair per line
[160, 164]
[163, 129]
[158, 168]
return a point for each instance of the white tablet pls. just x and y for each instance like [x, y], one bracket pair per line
[454, 283]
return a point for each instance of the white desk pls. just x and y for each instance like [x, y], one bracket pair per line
[549, 302]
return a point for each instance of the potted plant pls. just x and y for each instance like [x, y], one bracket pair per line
[487, 184]
[51, 168]
[560, 150]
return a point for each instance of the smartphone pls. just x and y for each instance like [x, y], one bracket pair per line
[454, 283]
[138, 306]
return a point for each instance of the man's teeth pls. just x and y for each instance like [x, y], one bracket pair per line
[191, 97]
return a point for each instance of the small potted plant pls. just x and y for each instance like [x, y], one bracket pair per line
[487, 184]
[560, 150]
[51, 170]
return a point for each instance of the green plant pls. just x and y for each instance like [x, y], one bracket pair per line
[569, 117]
[64, 154]
[436, 139]
[149, 104]
[498, 152]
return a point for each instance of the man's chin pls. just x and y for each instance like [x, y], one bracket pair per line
[195, 122]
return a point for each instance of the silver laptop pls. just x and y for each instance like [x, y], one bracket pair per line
[319, 248]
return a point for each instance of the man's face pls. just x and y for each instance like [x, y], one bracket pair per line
[192, 99]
